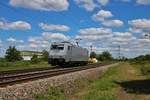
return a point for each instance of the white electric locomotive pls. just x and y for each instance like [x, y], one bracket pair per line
[65, 53]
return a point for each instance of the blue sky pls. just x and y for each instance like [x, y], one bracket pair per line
[104, 24]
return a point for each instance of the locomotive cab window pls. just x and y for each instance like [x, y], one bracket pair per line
[57, 47]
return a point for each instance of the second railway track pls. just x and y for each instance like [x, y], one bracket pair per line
[11, 79]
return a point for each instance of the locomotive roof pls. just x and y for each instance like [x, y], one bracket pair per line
[66, 42]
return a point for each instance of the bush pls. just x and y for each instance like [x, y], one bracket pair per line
[145, 70]
[34, 59]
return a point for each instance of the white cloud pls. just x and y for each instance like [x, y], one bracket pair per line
[32, 45]
[134, 30]
[54, 27]
[21, 47]
[104, 16]
[139, 25]
[89, 5]
[103, 2]
[140, 46]
[11, 40]
[45, 5]
[55, 36]
[14, 41]
[32, 40]
[122, 38]
[95, 31]
[101, 15]
[18, 25]
[126, 0]
[145, 41]
[113, 23]
[143, 2]
[92, 37]
[94, 34]
[38, 42]
[20, 41]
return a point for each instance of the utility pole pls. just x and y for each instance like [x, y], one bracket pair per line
[147, 36]
[119, 53]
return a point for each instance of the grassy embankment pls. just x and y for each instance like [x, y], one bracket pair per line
[123, 82]
[20, 65]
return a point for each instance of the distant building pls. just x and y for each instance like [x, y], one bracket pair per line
[27, 55]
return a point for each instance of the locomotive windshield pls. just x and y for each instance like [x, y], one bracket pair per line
[57, 47]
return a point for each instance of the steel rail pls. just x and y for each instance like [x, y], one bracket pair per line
[24, 77]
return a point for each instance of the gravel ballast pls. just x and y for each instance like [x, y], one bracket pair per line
[26, 91]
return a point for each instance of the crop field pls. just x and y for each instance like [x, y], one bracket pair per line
[123, 82]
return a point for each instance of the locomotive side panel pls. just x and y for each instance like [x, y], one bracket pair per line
[79, 54]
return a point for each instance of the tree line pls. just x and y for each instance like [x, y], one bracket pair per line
[12, 55]
[104, 56]
[142, 59]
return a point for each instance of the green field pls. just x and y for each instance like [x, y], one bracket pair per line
[123, 82]
[20, 65]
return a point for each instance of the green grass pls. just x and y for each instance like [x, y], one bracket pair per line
[53, 93]
[20, 65]
[101, 89]
[106, 87]
[144, 67]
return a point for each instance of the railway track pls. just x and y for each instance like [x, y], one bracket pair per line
[7, 79]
